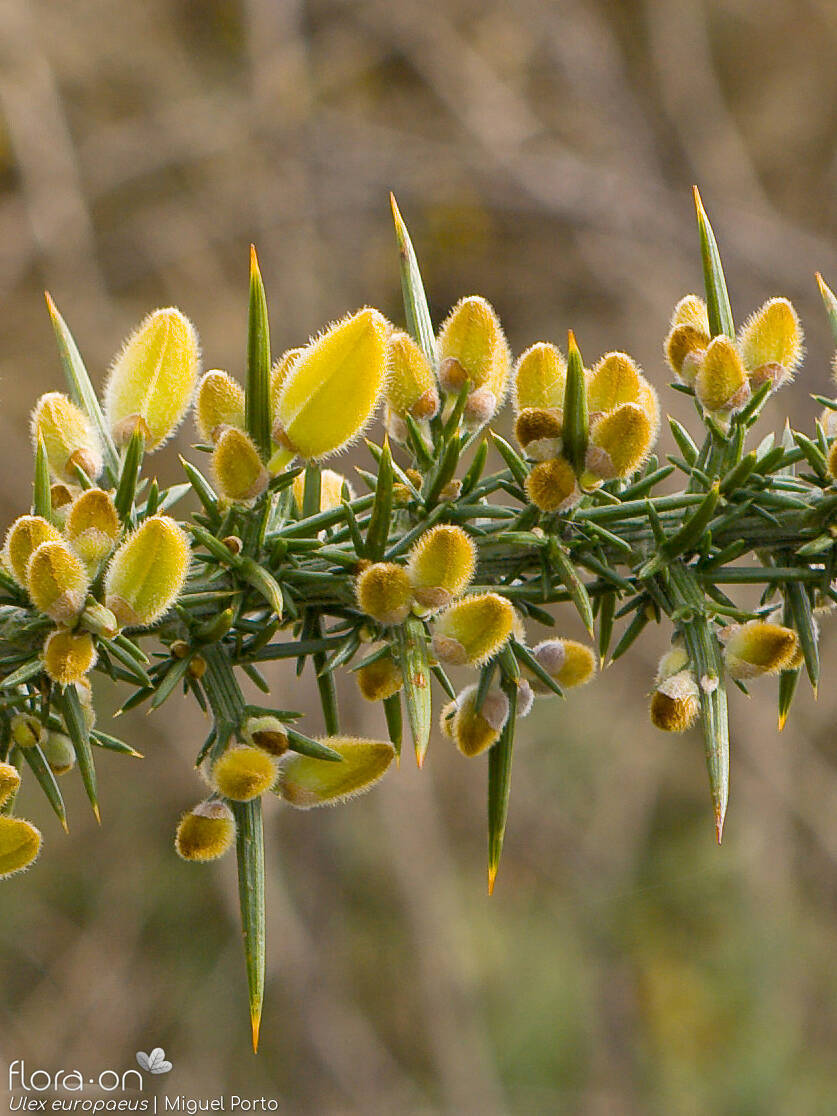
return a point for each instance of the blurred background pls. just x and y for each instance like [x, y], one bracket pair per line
[542, 154]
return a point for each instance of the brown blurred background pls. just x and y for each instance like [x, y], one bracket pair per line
[542, 154]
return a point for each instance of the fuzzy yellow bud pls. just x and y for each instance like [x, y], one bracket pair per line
[244, 772]
[22, 540]
[9, 781]
[721, 385]
[616, 379]
[771, 343]
[26, 730]
[57, 581]
[93, 525]
[147, 573]
[832, 459]
[675, 703]
[441, 565]
[473, 732]
[267, 732]
[384, 592]
[672, 662]
[538, 432]
[219, 403]
[569, 662]
[206, 832]
[59, 752]
[279, 373]
[552, 486]
[472, 630]
[331, 489]
[688, 337]
[20, 843]
[411, 384]
[152, 380]
[237, 468]
[539, 378]
[380, 679]
[758, 647]
[333, 388]
[619, 442]
[305, 782]
[68, 437]
[473, 347]
[68, 656]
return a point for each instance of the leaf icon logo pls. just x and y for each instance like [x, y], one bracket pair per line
[155, 1062]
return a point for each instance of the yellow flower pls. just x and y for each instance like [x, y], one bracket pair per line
[552, 486]
[569, 662]
[237, 468]
[411, 385]
[20, 843]
[473, 732]
[244, 772]
[9, 781]
[93, 525]
[619, 443]
[721, 385]
[472, 348]
[539, 432]
[441, 565]
[539, 378]
[68, 437]
[22, 540]
[771, 343]
[57, 581]
[688, 337]
[473, 630]
[279, 373]
[146, 575]
[758, 647]
[205, 832]
[219, 403]
[675, 703]
[68, 656]
[305, 782]
[331, 489]
[379, 679]
[384, 592]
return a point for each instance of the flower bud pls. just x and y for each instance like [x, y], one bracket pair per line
[474, 732]
[267, 732]
[758, 647]
[539, 378]
[205, 832]
[305, 782]
[333, 388]
[672, 662]
[525, 699]
[147, 573]
[26, 730]
[688, 338]
[331, 490]
[68, 436]
[473, 630]
[691, 310]
[61, 497]
[616, 379]
[380, 679]
[411, 385]
[20, 843]
[771, 343]
[721, 384]
[472, 347]
[832, 459]
[219, 403]
[57, 581]
[152, 380]
[59, 752]
[93, 525]
[384, 592]
[569, 662]
[619, 442]
[539, 432]
[9, 781]
[244, 772]
[675, 704]
[441, 565]
[279, 373]
[238, 470]
[552, 486]
[68, 656]
[22, 540]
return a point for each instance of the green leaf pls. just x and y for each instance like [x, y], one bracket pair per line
[830, 303]
[257, 390]
[46, 778]
[576, 422]
[806, 628]
[299, 742]
[717, 298]
[250, 854]
[42, 489]
[416, 312]
[499, 786]
[416, 671]
[78, 733]
[129, 476]
[560, 559]
[377, 533]
[395, 721]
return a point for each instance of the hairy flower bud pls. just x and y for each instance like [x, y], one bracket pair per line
[152, 380]
[147, 573]
[305, 782]
[569, 662]
[68, 656]
[333, 388]
[384, 592]
[552, 486]
[331, 490]
[236, 466]
[525, 699]
[219, 403]
[26, 730]
[206, 832]
[675, 703]
[22, 540]
[441, 565]
[20, 843]
[472, 347]
[615, 379]
[771, 343]
[539, 432]
[380, 679]
[279, 373]
[539, 378]
[758, 647]
[9, 781]
[474, 629]
[721, 384]
[267, 732]
[244, 772]
[672, 662]
[619, 442]
[688, 338]
[59, 752]
[473, 732]
[57, 581]
[68, 437]
[93, 525]
[411, 385]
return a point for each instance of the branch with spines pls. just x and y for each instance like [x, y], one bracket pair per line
[442, 563]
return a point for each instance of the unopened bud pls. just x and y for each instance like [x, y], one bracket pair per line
[305, 782]
[832, 459]
[57, 581]
[411, 385]
[552, 486]
[525, 699]
[20, 843]
[333, 388]
[569, 662]
[152, 380]
[68, 436]
[539, 378]
[238, 470]
[93, 525]
[22, 540]
[672, 662]
[771, 343]
[473, 732]
[196, 668]
[758, 647]
[380, 679]
[331, 490]
[59, 752]
[441, 565]
[474, 629]
[279, 373]
[688, 337]
[267, 732]
[384, 592]
[68, 656]
[619, 442]
[147, 573]
[26, 730]
[721, 384]
[9, 781]
[539, 432]
[205, 832]
[219, 403]
[472, 347]
[675, 704]
[244, 772]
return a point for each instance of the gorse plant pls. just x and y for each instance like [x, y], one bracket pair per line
[441, 565]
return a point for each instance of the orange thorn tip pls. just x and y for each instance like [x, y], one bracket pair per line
[64, 825]
[719, 826]
[571, 342]
[816, 689]
[96, 813]
[254, 260]
[698, 200]
[420, 759]
[255, 1026]
[492, 876]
